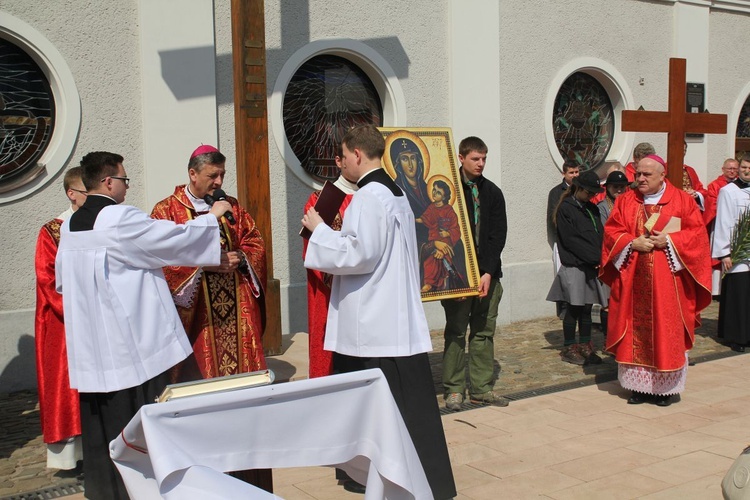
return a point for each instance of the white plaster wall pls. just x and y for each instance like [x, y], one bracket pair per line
[416, 51]
[99, 41]
[729, 80]
[537, 38]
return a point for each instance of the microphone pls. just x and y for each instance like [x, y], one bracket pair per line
[220, 195]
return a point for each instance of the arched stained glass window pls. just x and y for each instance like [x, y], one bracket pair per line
[27, 116]
[583, 121]
[327, 96]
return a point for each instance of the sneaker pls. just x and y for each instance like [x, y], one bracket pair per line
[589, 354]
[489, 398]
[454, 401]
[570, 354]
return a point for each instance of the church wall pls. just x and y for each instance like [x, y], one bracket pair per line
[413, 48]
[729, 84]
[538, 39]
[99, 42]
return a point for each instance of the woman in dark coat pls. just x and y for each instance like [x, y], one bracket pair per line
[579, 236]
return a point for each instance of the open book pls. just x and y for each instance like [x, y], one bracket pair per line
[218, 384]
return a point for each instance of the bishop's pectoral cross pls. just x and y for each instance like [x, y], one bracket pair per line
[676, 122]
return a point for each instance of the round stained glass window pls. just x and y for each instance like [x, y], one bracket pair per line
[326, 97]
[583, 121]
[27, 116]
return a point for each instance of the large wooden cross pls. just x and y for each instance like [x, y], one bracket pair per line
[676, 122]
[251, 133]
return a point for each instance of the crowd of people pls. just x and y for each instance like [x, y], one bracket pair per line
[647, 262]
[178, 295]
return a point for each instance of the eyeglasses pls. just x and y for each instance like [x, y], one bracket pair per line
[126, 180]
[79, 191]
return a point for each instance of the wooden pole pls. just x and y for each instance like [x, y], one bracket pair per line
[251, 132]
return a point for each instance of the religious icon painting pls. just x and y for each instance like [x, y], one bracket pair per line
[423, 163]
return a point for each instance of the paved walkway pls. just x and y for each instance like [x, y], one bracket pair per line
[583, 442]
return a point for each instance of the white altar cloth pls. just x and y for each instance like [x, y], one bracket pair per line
[179, 449]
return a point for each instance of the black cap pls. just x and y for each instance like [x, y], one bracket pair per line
[617, 178]
[589, 181]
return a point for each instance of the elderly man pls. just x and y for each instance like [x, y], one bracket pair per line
[221, 307]
[729, 171]
[728, 174]
[734, 319]
[655, 258]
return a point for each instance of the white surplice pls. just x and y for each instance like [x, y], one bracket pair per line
[372, 312]
[121, 324]
[731, 203]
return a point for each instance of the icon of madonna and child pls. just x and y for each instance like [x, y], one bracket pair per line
[432, 198]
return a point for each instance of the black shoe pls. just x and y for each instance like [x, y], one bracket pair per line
[663, 400]
[738, 348]
[353, 486]
[638, 398]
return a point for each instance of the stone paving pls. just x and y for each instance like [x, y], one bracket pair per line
[528, 359]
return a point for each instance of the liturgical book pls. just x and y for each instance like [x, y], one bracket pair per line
[663, 224]
[218, 384]
[328, 204]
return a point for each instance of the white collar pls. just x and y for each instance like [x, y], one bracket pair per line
[345, 185]
[198, 204]
[653, 199]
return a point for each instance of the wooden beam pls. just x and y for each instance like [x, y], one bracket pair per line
[676, 122]
[251, 132]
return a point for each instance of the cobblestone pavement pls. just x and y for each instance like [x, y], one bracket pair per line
[526, 353]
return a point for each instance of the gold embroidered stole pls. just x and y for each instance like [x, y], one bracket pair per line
[221, 292]
[643, 291]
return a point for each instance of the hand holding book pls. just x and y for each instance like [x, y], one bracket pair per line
[325, 210]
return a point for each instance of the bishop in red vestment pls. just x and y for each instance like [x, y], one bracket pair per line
[222, 308]
[655, 258]
[59, 405]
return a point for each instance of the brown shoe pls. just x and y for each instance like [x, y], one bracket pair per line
[589, 354]
[571, 354]
[488, 398]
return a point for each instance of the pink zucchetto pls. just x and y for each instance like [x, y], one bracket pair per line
[203, 149]
[657, 159]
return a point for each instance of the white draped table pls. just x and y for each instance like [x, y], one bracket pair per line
[180, 449]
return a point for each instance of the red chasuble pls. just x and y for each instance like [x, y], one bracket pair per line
[59, 409]
[712, 194]
[223, 313]
[318, 295]
[652, 311]
[630, 172]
